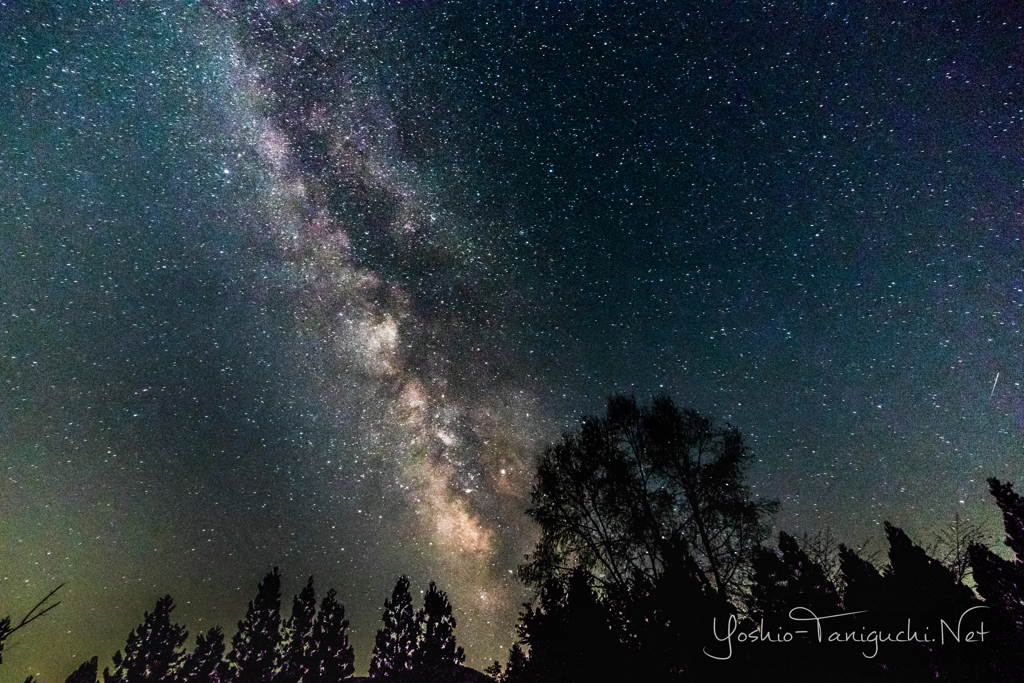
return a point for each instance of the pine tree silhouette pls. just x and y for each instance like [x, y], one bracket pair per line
[570, 635]
[515, 669]
[329, 655]
[437, 656]
[1001, 583]
[298, 629]
[923, 583]
[921, 588]
[255, 647]
[396, 642]
[494, 670]
[863, 587]
[664, 626]
[206, 664]
[790, 579]
[788, 585]
[154, 650]
[86, 673]
[1012, 507]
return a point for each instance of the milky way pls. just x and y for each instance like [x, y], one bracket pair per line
[311, 285]
[400, 299]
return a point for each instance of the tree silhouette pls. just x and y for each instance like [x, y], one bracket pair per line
[436, 656]
[863, 587]
[1001, 583]
[396, 642]
[610, 496]
[515, 669]
[951, 544]
[494, 670]
[790, 579]
[299, 629]
[154, 651]
[822, 548]
[206, 664]
[86, 673]
[570, 635]
[923, 584]
[785, 581]
[329, 654]
[677, 625]
[255, 647]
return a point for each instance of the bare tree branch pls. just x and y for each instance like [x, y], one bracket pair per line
[37, 611]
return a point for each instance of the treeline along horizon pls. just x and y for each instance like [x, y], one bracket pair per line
[655, 563]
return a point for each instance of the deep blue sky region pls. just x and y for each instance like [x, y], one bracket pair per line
[312, 284]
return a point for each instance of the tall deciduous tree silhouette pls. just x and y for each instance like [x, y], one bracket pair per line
[329, 654]
[154, 651]
[436, 656]
[614, 495]
[255, 647]
[396, 642]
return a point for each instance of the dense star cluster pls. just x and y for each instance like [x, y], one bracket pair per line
[313, 284]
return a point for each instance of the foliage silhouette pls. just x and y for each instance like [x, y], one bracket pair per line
[515, 668]
[437, 656]
[922, 583]
[655, 625]
[1000, 583]
[647, 533]
[613, 495]
[396, 642]
[86, 673]
[329, 655]
[299, 629]
[788, 579]
[569, 634]
[154, 651]
[494, 670]
[206, 664]
[862, 585]
[952, 543]
[255, 648]
[822, 548]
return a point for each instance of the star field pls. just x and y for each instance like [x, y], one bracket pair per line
[310, 285]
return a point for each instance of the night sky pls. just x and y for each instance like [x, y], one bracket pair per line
[311, 285]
